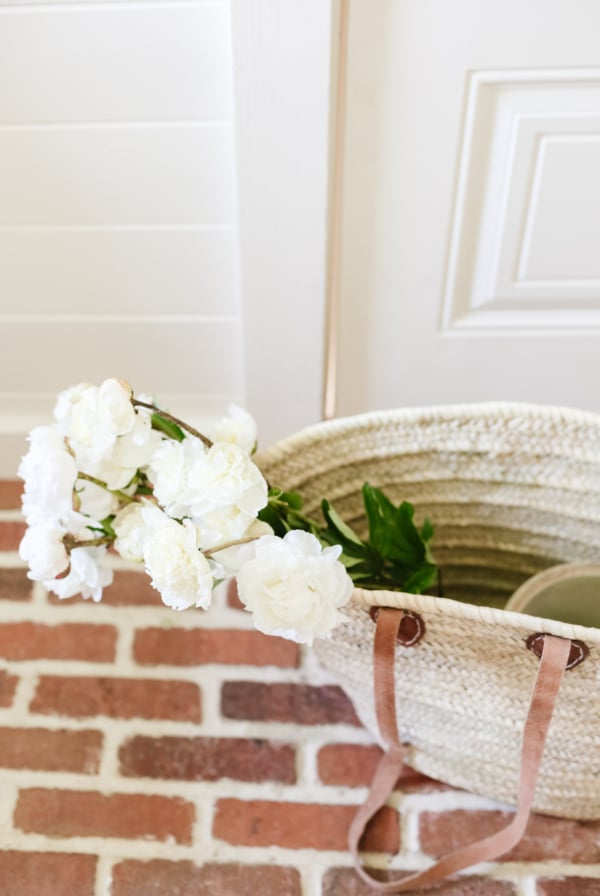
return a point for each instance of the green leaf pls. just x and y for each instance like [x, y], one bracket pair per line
[167, 427]
[338, 526]
[426, 531]
[141, 483]
[354, 565]
[421, 579]
[292, 499]
[277, 523]
[106, 524]
[392, 531]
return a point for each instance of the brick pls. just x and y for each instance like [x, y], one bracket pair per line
[46, 874]
[570, 886]
[191, 647]
[129, 589]
[10, 494]
[158, 878]
[71, 813]
[302, 704]
[300, 825]
[545, 838]
[549, 838]
[345, 882]
[70, 641]
[43, 750]
[8, 684]
[233, 600]
[353, 765]
[11, 533]
[120, 698]
[208, 759]
[14, 584]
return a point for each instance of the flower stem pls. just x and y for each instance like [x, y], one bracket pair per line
[230, 544]
[70, 542]
[116, 492]
[152, 407]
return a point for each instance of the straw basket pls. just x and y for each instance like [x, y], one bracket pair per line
[511, 489]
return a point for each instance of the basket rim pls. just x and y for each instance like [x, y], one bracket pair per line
[435, 413]
[444, 606]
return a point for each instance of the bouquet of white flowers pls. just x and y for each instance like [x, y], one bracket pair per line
[116, 471]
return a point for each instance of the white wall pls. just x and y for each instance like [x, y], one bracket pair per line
[118, 212]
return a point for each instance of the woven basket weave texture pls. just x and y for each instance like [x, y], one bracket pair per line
[511, 489]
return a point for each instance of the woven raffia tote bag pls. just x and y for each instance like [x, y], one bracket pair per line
[456, 684]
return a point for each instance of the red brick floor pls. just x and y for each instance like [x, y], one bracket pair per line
[148, 753]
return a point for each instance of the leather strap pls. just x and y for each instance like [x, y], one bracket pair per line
[555, 655]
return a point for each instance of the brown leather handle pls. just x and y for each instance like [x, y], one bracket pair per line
[554, 659]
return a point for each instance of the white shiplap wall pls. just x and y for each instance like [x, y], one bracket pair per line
[118, 221]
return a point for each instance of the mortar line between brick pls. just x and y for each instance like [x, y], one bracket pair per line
[311, 880]
[409, 833]
[9, 794]
[104, 871]
[544, 868]
[225, 788]
[211, 701]
[19, 711]
[145, 616]
[526, 886]
[447, 801]
[295, 735]
[115, 850]
[38, 595]
[202, 839]
[306, 764]
[124, 645]
[11, 560]
[207, 674]
[109, 764]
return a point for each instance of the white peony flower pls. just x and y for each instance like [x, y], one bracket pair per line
[131, 533]
[223, 525]
[226, 477]
[87, 576]
[131, 452]
[178, 569]
[95, 502]
[231, 559]
[43, 550]
[110, 438]
[169, 470]
[293, 588]
[133, 524]
[49, 472]
[238, 427]
[93, 418]
[220, 489]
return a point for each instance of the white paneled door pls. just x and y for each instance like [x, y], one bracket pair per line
[471, 246]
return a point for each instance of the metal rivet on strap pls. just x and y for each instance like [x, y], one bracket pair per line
[579, 651]
[411, 628]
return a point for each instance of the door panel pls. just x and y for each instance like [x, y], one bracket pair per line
[471, 260]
